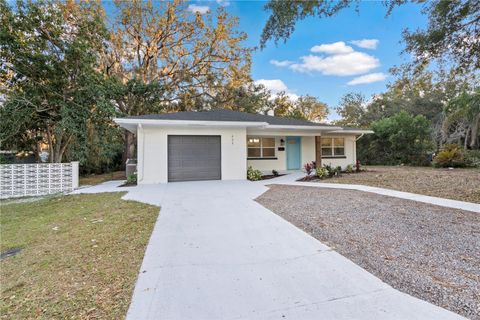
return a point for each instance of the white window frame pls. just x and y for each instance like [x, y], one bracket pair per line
[332, 147]
[261, 147]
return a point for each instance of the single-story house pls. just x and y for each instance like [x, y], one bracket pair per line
[222, 144]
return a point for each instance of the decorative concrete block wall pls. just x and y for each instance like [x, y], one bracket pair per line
[25, 180]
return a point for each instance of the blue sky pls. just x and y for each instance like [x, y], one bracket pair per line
[328, 69]
[324, 57]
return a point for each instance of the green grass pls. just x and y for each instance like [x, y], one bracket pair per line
[92, 179]
[81, 255]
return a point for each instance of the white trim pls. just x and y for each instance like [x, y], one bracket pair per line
[131, 125]
[359, 131]
[161, 122]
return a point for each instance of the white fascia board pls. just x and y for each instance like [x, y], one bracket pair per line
[359, 131]
[308, 128]
[193, 123]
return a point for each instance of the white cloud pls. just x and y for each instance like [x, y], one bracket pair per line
[332, 48]
[366, 43]
[282, 63]
[276, 86]
[368, 78]
[338, 65]
[223, 3]
[198, 9]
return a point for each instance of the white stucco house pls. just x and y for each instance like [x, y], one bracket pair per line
[221, 144]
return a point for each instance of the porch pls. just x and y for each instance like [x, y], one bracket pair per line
[290, 152]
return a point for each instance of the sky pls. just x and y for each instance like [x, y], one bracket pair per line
[326, 58]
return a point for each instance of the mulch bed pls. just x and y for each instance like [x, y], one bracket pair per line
[271, 176]
[427, 251]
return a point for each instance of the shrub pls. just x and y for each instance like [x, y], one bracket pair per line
[349, 169]
[132, 179]
[329, 169]
[450, 156]
[401, 138]
[472, 158]
[322, 173]
[275, 173]
[308, 167]
[253, 174]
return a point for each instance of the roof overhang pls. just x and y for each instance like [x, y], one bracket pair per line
[350, 131]
[133, 124]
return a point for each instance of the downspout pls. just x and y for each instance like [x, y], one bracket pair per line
[140, 130]
[359, 137]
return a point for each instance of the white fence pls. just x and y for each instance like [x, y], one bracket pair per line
[23, 180]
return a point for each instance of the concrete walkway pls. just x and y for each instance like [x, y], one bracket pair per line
[290, 179]
[217, 254]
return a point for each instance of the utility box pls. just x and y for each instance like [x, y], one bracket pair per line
[131, 167]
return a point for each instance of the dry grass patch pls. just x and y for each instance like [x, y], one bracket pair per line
[456, 184]
[93, 179]
[80, 258]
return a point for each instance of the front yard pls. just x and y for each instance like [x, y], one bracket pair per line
[80, 256]
[428, 251]
[456, 184]
[93, 179]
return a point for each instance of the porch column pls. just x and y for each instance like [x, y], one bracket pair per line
[318, 151]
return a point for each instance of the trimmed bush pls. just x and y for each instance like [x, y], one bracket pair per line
[349, 169]
[322, 173]
[253, 174]
[450, 156]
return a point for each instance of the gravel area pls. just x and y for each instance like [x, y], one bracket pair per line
[430, 252]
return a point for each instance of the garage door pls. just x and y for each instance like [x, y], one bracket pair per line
[194, 158]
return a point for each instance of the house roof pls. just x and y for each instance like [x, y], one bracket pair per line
[229, 115]
[223, 117]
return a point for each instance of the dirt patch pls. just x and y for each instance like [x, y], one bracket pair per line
[428, 251]
[456, 184]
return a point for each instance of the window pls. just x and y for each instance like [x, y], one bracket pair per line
[261, 147]
[333, 147]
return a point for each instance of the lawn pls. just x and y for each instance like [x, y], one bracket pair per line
[457, 184]
[81, 255]
[93, 179]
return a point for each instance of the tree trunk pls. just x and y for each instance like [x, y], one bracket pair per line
[129, 147]
[474, 133]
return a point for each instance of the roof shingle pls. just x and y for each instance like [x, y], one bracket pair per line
[228, 115]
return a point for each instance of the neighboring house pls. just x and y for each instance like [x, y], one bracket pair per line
[221, 144]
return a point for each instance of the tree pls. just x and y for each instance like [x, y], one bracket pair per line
[402, 138]
[352, 109]
[453, 30]
[464, 111]
[249, 97]
[282, 105]
[310, 108]
[50, 77]
[183, 57]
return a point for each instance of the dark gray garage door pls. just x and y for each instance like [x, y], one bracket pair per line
[194, 158]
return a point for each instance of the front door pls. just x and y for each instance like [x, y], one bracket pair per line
[293, 153]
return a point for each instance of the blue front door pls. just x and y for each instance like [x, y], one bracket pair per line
[293, 153]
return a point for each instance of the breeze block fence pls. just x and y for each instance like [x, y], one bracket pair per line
[36, 179]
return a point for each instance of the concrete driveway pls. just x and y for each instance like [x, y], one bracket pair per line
[217, 254]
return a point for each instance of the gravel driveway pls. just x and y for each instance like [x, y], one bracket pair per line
[428, 251]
